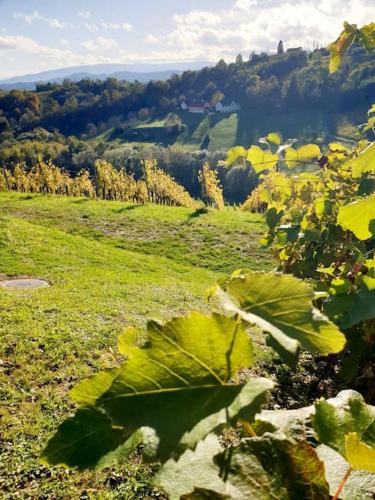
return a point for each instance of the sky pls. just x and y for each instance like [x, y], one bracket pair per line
[39, 35]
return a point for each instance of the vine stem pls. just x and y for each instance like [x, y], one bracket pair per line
[342, 484]
[248, 427]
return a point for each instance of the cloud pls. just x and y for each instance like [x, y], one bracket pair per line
[116, 26]
[245, 4]
[251, 25]
[35, 16]
[85, 14]
[208, 34]
[100, 43]
[203, 18]
[152, 39]
[93, 27]
[20, 48]
[109, 26]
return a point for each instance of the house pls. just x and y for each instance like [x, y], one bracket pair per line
[295, 50]
[196, 108]
[233, 107]
[206, 107]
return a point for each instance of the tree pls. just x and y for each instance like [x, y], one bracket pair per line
[239, 59]
[4, 124]
[217, 97]
[71, 104]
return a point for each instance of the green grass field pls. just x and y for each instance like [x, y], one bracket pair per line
[221, 131]
[110, 265]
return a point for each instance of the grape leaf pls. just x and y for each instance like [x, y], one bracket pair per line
[282, 306]
[360, 455]
[260, 159]
[274, 138]
[178, 385]
[360, 308]
[272, 466]
[339, 48]
[304, 154]
[364, 162]
[82, 440]
[193, 470]
[367, 36]
[235, 154]
[332, 424]
[256, 468]
[297, 422]
[359, 217]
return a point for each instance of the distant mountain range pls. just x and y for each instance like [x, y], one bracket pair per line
[142, 72]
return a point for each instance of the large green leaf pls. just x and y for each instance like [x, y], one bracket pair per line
[360, 308]
[273, 466]
[282, 306]
[359, 217]
[297, 422]
[302, 155]
[339, 48]
[193, 470]
[364, 162]
[260, 159]
[333, 424]
[177, 386]
[264, 467]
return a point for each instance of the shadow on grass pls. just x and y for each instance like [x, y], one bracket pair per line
[80, 201]
[125, 209]
[197, 213]
[27, 197]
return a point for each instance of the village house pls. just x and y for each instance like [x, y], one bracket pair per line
[219, 107]
[196, 108]
[233, 107]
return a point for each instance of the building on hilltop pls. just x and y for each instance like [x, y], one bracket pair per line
[280, 48]
[221, 107]
[294, 50]
[196, 108]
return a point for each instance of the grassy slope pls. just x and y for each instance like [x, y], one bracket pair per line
[246, 127]
[223, 132]
[110, 265]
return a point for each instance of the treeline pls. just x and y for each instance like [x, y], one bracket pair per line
[295, 79]
[108, 183]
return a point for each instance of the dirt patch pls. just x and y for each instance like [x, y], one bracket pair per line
[23, 283]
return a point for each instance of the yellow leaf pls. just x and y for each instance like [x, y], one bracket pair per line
[359, 454]
[261, 160]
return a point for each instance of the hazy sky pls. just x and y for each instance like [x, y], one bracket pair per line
[36, 35]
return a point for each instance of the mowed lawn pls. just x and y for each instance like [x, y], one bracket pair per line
[109, 265]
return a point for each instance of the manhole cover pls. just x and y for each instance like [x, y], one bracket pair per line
[23, 283]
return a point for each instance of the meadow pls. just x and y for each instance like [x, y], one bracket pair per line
[219, 132]
[109, 265]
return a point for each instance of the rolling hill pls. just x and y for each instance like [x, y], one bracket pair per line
[130, 72]
[109, 265]
[220, 132]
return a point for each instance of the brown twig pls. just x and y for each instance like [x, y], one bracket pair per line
[342, 484]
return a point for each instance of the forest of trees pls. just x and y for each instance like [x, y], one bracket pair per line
[271, 83]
